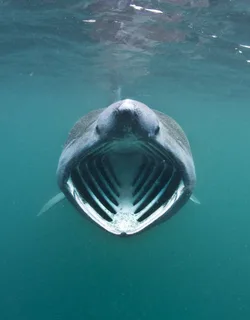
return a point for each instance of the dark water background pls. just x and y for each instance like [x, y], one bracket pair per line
[192, 61]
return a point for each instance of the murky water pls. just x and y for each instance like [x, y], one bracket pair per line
[189, 59]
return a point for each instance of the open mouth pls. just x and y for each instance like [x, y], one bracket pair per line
[125, 187]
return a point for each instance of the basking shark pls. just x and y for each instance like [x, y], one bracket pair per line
[127, 167]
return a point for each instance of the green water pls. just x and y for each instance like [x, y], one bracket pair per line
[60, 266]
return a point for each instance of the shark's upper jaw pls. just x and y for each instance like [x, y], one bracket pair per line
[125, 186]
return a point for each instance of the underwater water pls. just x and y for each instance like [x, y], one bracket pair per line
[190, 61]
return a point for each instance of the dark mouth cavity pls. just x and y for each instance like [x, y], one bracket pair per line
[137, 181]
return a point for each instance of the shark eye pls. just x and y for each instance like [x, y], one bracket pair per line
[97, 129]
[157, 129]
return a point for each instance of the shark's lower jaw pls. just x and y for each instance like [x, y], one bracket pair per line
[125, 186]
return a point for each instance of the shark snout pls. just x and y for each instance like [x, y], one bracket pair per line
[126, 120]
[128, 117]
[127, 106]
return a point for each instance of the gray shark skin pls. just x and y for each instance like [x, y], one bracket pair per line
[127, 167]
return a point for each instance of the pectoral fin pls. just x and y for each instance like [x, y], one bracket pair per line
[51, 203]
[194, 199]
